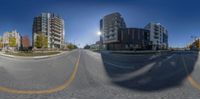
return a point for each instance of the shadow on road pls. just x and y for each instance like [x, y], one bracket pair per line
[149, 72]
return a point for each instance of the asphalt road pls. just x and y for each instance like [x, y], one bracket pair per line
[82, 74]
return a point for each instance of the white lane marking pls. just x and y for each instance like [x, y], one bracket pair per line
[166, 59]
[153, 57]
[170, 56]
[132, 67]
[136, 73]
[118, 66]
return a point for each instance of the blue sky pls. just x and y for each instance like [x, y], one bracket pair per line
[180, 17]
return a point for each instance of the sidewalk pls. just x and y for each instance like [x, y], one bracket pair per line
[34, 57]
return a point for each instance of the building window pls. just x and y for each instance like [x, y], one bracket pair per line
[122, 35]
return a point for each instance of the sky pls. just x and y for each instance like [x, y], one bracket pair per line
[180, 17]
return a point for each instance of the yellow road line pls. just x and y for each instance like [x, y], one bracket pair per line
[193, 82]
[47, 91]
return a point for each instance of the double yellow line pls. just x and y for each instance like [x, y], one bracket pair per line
[47, 91]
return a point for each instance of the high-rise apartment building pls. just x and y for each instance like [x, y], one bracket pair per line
[7, 36]
[52, 26]
[158, 35]
[109, 26]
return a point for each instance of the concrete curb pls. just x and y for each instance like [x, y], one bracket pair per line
[138, 52]
[35, 57]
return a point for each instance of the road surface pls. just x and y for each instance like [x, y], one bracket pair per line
[82, 74]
